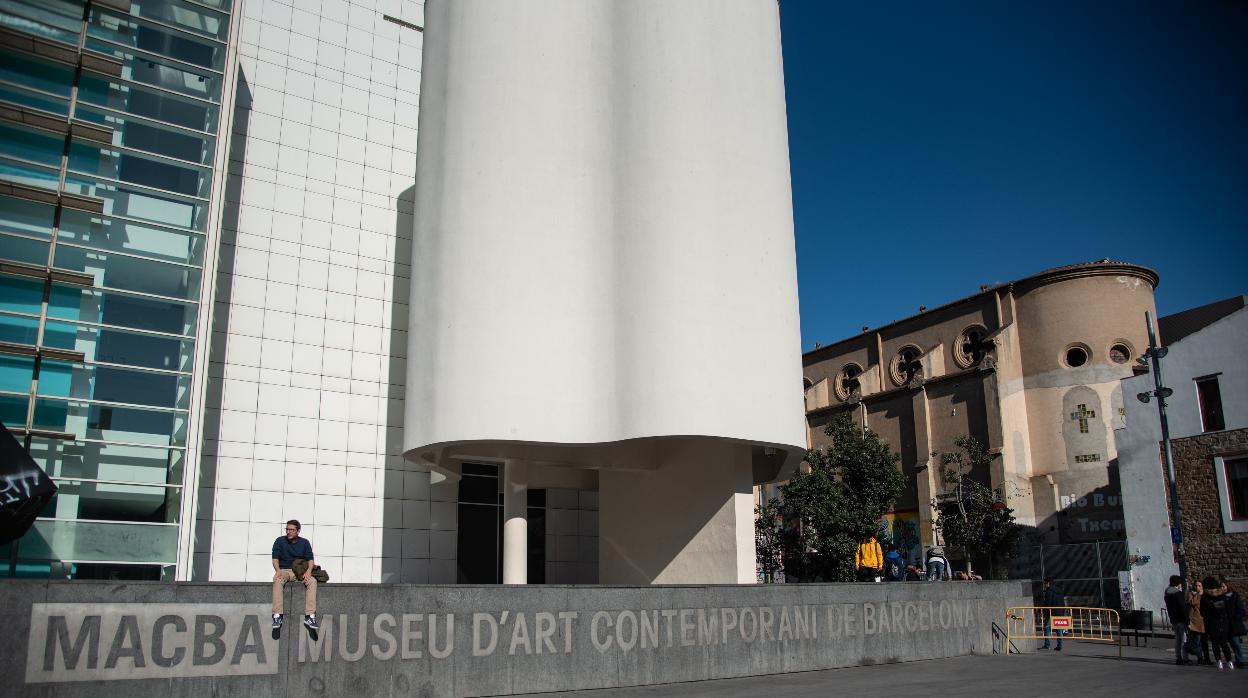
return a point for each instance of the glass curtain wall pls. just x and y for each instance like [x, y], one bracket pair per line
[109, 115]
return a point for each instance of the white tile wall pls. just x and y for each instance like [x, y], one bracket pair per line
[310, 319]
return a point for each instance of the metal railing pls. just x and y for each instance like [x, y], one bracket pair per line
[1061, 623]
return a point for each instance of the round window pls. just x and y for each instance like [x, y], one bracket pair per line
[973, 346]
[906, 365]
[847, 381]
[1076, 356]
[1120, 353]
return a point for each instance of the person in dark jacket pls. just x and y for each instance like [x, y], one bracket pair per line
[1217, 614]
[1176, 607]
[1238, 629]
[1052, 597]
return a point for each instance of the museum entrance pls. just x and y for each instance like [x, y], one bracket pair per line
[479, 550]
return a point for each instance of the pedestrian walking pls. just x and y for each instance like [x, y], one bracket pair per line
[1176, 607]
[1238, 629]
[1054, 600]
[1217, 614]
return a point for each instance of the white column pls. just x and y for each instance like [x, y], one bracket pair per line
[515, 522]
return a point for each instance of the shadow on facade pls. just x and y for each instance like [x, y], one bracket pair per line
[400, 538]
[219, 332]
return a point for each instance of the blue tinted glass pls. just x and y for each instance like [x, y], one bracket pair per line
[23, 250]
[13, 411]
[125, 236]
[26, 98]
[110, 384]
[18, 330]
[124, 201]
[123, 30]
[145, 102]
[55, 378]
[138, 169]
[153, 138]
[51, 414]
[107, 461]
[28, 175]
[148, 314]
[184, 15]
[48, 77]
[20, 294]
[73, 303]
[26, 217]
[37, 146]
[159, 73]
[16, 372]
[131, 273]
[120, 347]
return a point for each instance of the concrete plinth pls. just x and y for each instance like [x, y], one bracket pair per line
[107, 639]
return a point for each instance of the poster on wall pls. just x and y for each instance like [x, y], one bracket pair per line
[902, 531]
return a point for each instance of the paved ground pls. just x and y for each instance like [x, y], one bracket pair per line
[1081, 669]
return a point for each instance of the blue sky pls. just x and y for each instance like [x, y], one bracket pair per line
[939, 146]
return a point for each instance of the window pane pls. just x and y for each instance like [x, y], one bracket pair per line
[86, 540]
[112, 384]
[114, 502]
[28, 144]
[110, 308]
[108, 423]
[196, 19]
[26, 217]
[90, 159]
[13, 411]
[21, 294]
[126, 236]
[23, 250]
[116, 346]
[41, 75]
[48, 19]
[154, 138]
[1210, 396]
[153, 71]
[28, 175]
[139, 100]
[114, 27]
[16, 372]
[1237, 488]
[85, 459]
[28, 98]
[18, 330]
[131, 273]
[120, 200]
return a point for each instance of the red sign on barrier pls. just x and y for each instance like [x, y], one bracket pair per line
[1061, 622]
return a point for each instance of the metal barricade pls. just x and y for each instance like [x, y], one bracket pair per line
[1072, 622]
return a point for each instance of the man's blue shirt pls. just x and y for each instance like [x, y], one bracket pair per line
[285, 552]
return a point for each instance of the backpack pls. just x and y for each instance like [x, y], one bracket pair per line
[895, 569]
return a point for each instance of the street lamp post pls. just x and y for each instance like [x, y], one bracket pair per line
[1155, 354]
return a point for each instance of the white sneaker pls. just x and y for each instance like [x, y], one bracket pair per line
[1221, 665]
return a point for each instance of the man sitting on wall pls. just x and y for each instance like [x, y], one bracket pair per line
[287, 549]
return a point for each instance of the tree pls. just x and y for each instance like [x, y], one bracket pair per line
[769, 537]
[972, 515]
[840, 501]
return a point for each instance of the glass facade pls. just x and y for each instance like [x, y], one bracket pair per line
[109, 118]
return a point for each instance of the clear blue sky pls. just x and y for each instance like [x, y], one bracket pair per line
[937, 146]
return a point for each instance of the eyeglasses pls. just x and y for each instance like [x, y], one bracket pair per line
[292, 529]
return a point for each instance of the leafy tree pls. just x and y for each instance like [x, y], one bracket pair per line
[850, 486]
[974, 516]
[769, 537]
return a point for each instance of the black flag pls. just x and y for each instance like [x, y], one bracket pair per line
[24, 488]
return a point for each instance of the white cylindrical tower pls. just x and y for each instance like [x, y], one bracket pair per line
[603, 267]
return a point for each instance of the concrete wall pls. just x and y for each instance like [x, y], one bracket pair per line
[194, 639]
